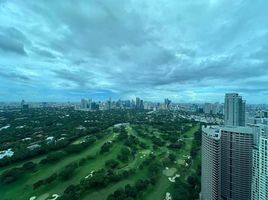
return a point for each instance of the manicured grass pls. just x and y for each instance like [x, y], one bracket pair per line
[158, 192]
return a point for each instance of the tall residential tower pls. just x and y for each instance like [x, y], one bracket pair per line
[234, 110]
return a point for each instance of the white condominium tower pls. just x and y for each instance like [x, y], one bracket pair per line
[234, 110]
[260, 166]
[211, 164]
[227, 162]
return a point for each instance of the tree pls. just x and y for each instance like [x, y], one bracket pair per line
[53, 157]
[68, 171]
[29, 166]
[172, 157]
[38, 184]
[71, 192]
[51, 178]
[106, 147]
[111, 164]
[11, 175]
[124, 154]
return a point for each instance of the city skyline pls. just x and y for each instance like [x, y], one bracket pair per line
[185, 51]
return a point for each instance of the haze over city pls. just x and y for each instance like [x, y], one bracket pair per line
[188, 51]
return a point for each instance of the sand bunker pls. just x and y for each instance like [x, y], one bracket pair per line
[90, 175]
[168, 196]
[173, 179]
[54, 197]
[43, 196]
[169, 172]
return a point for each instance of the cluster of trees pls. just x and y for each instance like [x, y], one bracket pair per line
[196, 145]
[56, 122]
[176, 145]
[112, 164]
[130, 192]
[106, 147]
[22, 153]
[188, 189]
[99, 180]
[134, 192]
[157, 141]
[70, 149]
[53, 157]
[65, 174]
[13, 174]
[47, 180]
[124, 154]
[130, 141]
[172, 157]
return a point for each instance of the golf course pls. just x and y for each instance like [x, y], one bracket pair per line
[134, 161]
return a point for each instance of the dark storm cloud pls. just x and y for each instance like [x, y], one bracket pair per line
[12, 40]
[82, 78]
[156, 48]
[43, 53]
[14, 76]
[11, 45]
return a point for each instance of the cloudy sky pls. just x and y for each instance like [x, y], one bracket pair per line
[188, 51]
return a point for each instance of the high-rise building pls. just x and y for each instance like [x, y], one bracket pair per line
[139, 103]
[236, 158]
[83, 103]
[234, 110]
[207, 108]
[167, 103]
[260, 166]
[22, 102]
[211, 164]
[227, 162]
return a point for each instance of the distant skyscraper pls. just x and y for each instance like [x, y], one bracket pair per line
[207, 108]
[139, 103]
[234, 110]
[109, 103]
[167, 103]
[84, 103]
[89, 104]
[22, 103]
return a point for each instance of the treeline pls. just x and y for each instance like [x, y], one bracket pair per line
[99, 180]
[56, 122]
[191, 188]
[23, 154]
[13, 174]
